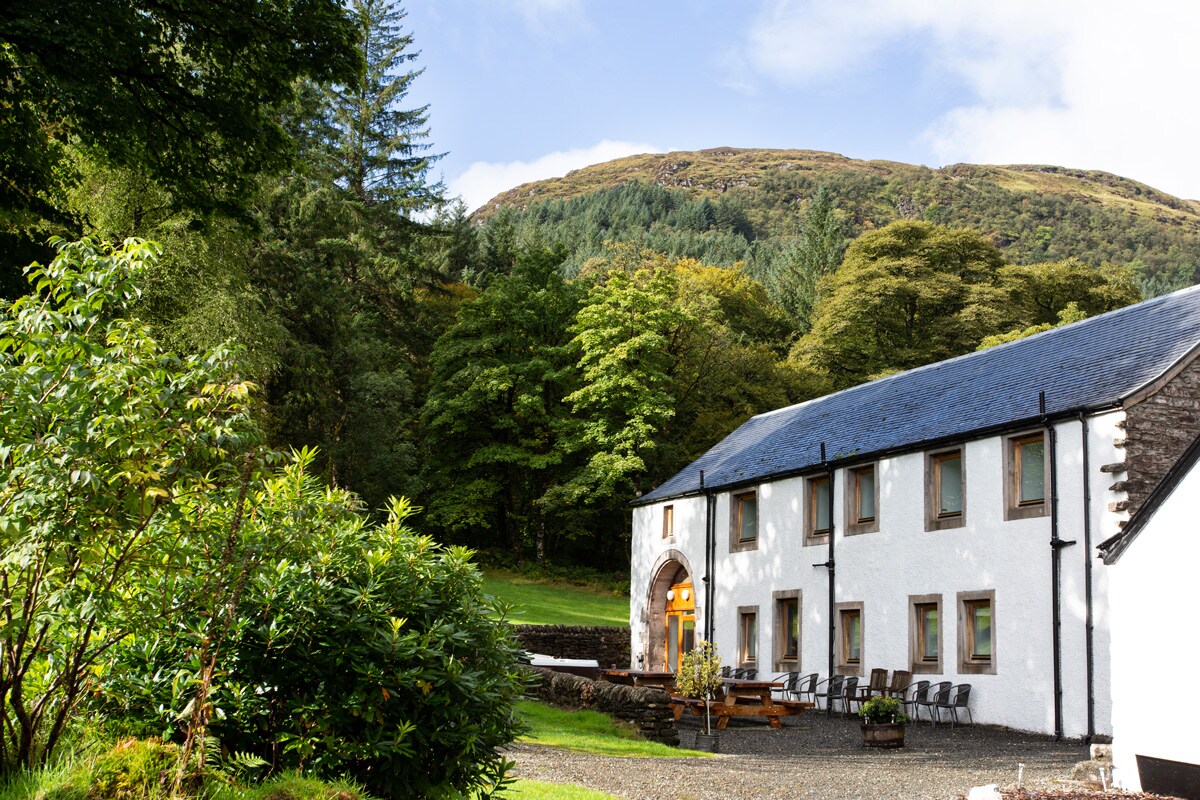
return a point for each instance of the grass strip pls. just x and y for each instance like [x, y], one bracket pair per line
[591, 732]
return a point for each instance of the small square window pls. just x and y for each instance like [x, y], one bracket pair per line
[945, 490]
[817, 521]
[748, 636]
[977, 633]
[850, 637]
[862, 500]
[1025, 467]
[668, 522]
[925, 633]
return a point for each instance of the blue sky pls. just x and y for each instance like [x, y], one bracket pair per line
[526, 89]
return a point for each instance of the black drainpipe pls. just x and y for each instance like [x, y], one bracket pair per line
[1056, 545]
[710, 545]
[829, 565]
[1087, 583]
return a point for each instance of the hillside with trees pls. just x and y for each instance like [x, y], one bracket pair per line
[728, 205]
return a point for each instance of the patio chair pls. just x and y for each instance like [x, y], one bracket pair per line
[725, 672]
[938, 695]
[878, 684]
[849, 694]
[962, 696]
[745, 673]
[920, 691]
[798, 687]
[833, 688]
[901, 678]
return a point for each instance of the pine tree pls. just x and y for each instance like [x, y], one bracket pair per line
[378, 149]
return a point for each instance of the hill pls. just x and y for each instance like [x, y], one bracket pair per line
[726, 204]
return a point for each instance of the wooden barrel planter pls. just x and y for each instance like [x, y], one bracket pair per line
[887, 735]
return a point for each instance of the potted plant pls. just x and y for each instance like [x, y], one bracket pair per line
[699, 677]
[883, 721]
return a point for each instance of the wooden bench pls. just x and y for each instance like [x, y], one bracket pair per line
[741, 707]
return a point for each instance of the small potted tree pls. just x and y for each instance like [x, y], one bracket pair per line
[699, 677]
[883, 721]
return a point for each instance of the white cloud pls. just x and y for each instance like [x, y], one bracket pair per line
[483, 180]
[1098, 84]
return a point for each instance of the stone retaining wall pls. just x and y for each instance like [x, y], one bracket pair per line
[609, 645]
[648, 709]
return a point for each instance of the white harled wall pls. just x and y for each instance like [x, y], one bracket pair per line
[882, 569]
[1153, 597]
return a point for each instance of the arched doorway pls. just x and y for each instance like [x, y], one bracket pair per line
[672, 613]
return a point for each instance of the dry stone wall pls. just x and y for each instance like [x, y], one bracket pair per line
[648, 709]
[609, 645]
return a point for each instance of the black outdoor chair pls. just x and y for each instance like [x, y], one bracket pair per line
[938, 695]
[725, 672]
[745, 673]
[849, 694]
[833, 688]
[962, 696]
[800, 686]
[920, 692]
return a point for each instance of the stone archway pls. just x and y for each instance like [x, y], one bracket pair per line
[672, 568]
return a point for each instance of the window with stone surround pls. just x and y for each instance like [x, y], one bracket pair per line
[849, 637]
[945, 490]
[977, 633]
[743, 521]
[925, 634]
[862, 500]
[1025, 469]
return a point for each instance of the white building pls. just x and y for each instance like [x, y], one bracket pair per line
[1152, 566]
[942, 520]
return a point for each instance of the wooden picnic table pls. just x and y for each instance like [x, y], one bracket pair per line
[744, 698]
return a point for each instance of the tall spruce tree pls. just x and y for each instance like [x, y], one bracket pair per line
[378, 148]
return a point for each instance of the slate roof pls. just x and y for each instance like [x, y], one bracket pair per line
[1085, 366]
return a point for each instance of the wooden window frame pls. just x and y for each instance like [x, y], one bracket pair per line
[844, 666]
[1013, 508]
[746, 613]
[811, 534]
[933, 487]
[784, 662]
[668, 531]
[854, 523]
[918, 664]
[966, 664]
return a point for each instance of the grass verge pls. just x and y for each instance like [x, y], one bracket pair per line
[591, 732]
[540, 790]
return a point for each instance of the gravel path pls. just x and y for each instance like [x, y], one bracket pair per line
[815, 757]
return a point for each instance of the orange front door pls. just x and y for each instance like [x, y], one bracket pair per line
[681, 623]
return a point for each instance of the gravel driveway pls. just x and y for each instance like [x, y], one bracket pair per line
[815, 757]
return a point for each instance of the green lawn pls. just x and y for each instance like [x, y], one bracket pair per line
[544, 602]
[590, 732]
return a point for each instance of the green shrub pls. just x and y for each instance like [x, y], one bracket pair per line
[879, 710]
[359, 650]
